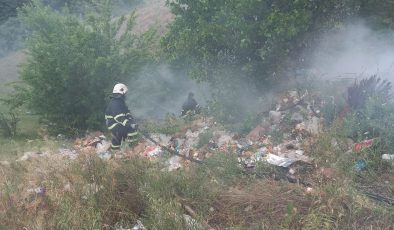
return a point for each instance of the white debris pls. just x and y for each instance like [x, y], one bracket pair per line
[68, 153]
[102, 146]
[191, 223]
[224, 138]
[138, 226]
[388, 156]
[162, 139]
[105, 155]
[314, 125]
[279, 161]
[153, 151]
[174, 163]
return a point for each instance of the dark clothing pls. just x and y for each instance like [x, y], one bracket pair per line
[119, 134]
[189, 105]
[118, 120]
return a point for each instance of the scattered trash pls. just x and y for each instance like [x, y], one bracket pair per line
[68, 153]
[152, 151]
[261, 152]
[314, 125]
[360, 165]
[309, 190]
[243, 145]
[363, 145]
[39, 191]
[388, 156]
[102, 146]
[105, 155]
[175, 163]
[279, 161]
[60, 137]
[138, 226]
[256, 133]
[162, 139]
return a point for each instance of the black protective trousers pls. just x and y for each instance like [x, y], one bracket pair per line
[119, 134]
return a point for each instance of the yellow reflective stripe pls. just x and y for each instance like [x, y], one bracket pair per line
[124, 122]
[119, 115]
[112, 126]
[132, 134]
[108, 117]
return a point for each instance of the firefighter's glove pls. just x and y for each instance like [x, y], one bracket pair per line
[134, 126]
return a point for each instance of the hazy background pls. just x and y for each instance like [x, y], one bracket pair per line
[354, 50]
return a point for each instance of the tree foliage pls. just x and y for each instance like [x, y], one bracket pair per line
[73, 63]
[243, 47]
[254, 37]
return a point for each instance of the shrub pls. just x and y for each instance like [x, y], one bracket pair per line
[73, 63]
[8, 124]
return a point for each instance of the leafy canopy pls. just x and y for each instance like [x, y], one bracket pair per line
[73, 63]
[254, 37]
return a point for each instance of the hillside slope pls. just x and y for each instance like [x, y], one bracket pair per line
[150, 13]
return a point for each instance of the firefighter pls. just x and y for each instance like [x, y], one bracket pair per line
[190, 105]
[119, 120]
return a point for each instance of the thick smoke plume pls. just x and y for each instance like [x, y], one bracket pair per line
[158, 91]
[355, 51]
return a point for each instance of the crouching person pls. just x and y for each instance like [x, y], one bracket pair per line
[119, 120]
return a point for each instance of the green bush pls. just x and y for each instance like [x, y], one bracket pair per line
[375, 121]
[73, 64]
[8, 124]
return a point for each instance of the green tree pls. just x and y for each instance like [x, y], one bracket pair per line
[73, 63]
[245, 46]
[253, 36]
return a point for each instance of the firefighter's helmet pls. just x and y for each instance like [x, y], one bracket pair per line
[120, 88]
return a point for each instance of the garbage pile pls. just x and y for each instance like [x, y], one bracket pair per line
[293, 120]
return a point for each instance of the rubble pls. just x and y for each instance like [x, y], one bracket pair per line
[363, 145]
[174, 163]
[152, 151]
[294, 117]
[280, 161]
[38, 191]
[68, 153]
[138, 226]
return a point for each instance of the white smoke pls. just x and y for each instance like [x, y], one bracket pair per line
[355, 50]
[159, 91]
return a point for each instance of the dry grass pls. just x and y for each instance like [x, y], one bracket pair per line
[270, 203]
[85, 194]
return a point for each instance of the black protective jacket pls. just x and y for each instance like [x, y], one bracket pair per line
[189, 104]
[117, 114]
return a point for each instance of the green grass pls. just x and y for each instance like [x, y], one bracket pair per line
[27, 138]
